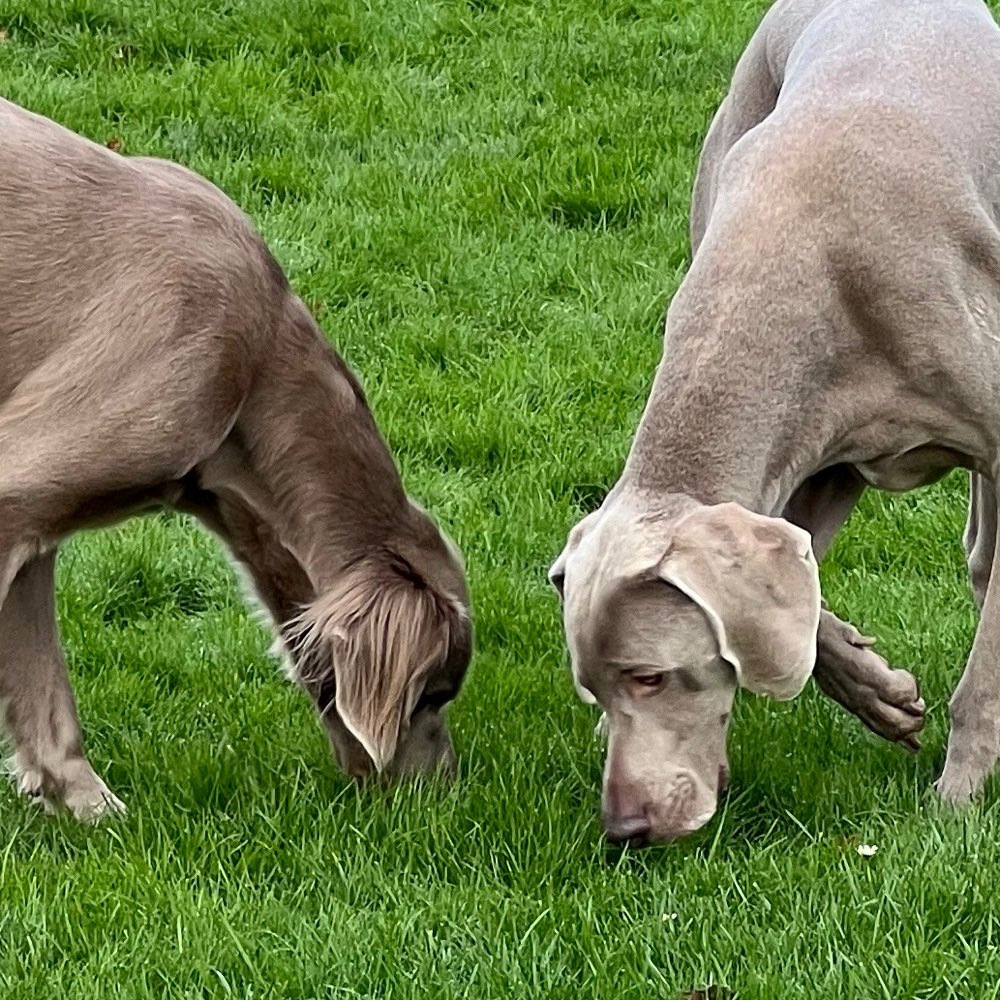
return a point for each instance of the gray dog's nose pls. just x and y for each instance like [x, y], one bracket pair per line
[622, 829]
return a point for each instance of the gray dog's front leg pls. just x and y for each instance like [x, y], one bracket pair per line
[850, 672]
[847, 669]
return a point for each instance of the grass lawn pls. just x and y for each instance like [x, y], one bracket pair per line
[485, 202]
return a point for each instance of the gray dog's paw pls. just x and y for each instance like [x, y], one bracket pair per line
[955, 788]
[850, 672]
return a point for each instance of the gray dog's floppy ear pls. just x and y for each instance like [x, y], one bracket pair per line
[557, 574]
[557, 571]
[757, 581]
[386, 628]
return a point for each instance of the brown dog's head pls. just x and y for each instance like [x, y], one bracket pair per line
[665, 617]
[386, 650]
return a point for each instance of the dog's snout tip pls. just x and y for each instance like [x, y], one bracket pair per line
[627, 829]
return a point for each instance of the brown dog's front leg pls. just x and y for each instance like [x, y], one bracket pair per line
[38, 707]
[850, 672]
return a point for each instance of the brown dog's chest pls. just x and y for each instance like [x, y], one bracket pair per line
[113, 507]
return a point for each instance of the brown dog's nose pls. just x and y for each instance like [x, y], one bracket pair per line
[627, 829]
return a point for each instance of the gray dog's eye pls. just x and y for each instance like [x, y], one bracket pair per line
[652, 682]
[645, 684]
[648, 680]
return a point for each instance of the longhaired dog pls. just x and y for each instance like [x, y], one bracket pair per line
[153, 355]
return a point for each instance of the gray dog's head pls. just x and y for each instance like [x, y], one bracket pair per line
[666, 615]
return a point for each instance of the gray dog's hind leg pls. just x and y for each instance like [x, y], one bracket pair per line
[847, 669]
[974, 740]
[980, 535]
[39, 712]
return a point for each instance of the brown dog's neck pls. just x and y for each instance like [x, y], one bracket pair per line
[278, 578]
[306, 463]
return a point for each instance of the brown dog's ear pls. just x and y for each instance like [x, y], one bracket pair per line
[757, 581]
[386, 629]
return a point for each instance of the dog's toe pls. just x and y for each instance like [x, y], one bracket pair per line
[85, 795]
[955, 788]
[94, 805]
[897, 719]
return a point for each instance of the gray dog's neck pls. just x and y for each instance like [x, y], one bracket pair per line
[728, 418]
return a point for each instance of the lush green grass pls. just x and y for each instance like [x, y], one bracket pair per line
[485, 202]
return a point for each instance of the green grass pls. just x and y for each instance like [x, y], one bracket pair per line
[485, 202]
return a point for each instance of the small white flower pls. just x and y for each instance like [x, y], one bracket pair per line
[867, 850]
[668, 916]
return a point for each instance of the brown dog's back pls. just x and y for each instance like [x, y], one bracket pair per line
[104, 255]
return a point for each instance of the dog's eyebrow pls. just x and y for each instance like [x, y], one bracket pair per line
[658, 668]
[689, 680]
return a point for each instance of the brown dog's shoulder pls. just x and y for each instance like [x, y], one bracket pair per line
[212, 227]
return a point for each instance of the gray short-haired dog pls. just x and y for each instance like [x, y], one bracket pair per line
[839, 326]
[152, 353]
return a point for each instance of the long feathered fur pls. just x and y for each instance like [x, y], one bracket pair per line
[382, 629]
